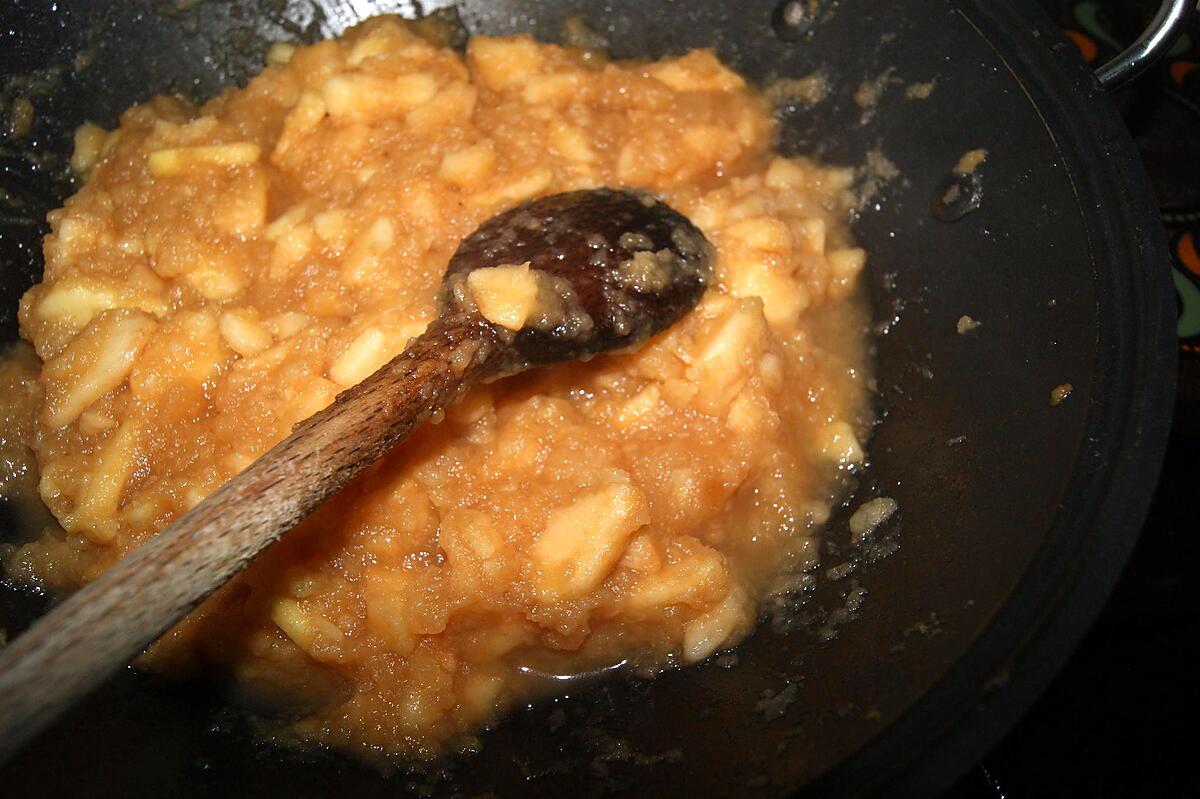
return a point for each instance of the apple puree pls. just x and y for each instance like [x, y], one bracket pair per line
[226, 269]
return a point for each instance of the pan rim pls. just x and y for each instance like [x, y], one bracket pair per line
[999, 678]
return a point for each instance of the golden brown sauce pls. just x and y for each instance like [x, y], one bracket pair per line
[227, 269]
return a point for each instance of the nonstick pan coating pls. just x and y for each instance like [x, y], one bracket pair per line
[1015, 516]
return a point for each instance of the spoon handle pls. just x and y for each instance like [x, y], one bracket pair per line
[109, 622]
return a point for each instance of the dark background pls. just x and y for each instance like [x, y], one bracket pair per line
[1116, 720]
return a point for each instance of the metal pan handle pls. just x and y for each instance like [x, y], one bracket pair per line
[1168, 23]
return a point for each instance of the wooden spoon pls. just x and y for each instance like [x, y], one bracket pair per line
[613, 268]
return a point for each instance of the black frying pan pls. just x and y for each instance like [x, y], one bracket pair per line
[1016, 516]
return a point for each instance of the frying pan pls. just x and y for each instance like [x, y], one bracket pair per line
[1015, 515]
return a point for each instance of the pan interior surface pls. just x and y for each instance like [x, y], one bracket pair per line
[1006, 501]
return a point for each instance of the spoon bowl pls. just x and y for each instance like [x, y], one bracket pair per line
[616, 267]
